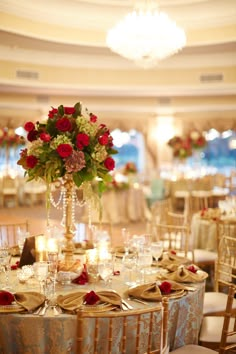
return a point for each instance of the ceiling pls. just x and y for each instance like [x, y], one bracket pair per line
[54, 52]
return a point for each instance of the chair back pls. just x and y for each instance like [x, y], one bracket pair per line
[229, 324]
[134, 331]
[225, 269]
[174, 237]
[9, 232]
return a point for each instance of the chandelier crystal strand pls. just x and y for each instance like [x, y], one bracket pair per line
[146, 36]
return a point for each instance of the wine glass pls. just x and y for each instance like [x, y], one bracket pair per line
[52, 268]
[126, 239]
[129, 262]
[41, 273]
[5, 264]
[144, 260]
[105, 270]
[157, 249]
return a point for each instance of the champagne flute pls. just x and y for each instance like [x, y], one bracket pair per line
[126, 239]
[144, 261]
[5, 264]
[52, 267]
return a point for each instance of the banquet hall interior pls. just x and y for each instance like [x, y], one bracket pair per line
[172, 119]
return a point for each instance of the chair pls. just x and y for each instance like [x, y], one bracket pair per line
[219, 332]
[193, 349]
[9, 190]
[9, 232]
[133, 331]
[225, 275]
[174, 237]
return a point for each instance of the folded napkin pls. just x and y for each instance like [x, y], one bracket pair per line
[29, 300]
[73, 301]
[172, 260]
[184, 275]
[152, 291]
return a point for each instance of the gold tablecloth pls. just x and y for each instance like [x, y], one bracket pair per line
[27, 333]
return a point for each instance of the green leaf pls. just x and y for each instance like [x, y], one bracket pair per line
[78, 109]
[61, 110]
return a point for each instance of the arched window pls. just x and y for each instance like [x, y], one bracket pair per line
[130, 146]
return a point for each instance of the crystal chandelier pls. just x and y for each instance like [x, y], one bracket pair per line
[146, 36]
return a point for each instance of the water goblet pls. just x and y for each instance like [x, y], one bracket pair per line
[144, 261]
[5, 264]
[157, 249]
[105, 269]
[129, 262]
[41, 274]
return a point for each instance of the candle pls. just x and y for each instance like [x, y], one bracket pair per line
[40, 248]
[52, 245]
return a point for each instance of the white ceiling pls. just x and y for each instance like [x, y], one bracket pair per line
[62, 44]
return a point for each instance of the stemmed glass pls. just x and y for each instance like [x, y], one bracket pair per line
[105, 269]
[157, 249]
[126, 239]
[52, 267]
[129, 262]
[41, 273]
[144, 260]
[5, 264]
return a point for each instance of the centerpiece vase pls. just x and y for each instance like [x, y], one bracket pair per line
[68, 201]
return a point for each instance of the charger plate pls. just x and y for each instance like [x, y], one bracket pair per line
[98, 308]
[11, 308]
[173, 295]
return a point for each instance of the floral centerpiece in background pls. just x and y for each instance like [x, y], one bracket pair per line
[130, 167]
[70, 146]
[197, 140]
[8, 138]
[181, 147]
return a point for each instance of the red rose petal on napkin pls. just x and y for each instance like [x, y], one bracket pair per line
[82, 278]
[6, 298]
[91, 298]
[165, 287]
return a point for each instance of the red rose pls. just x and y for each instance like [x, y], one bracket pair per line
[173, 252]
[103, 139]
[82, 140]
[109, 163]
[64, 150]
[165, 287]
[192, 269]
[69, 110]
[29, 126]
[82, 278]
[91, 298]
[52, 112]
[32, 135]
[45, 137]
[6, 298]
[64, 125]
[93, 118]
[31, 161]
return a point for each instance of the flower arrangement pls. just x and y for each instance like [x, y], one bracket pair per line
[197, 140]
[181, 147]
[130, 167]
[69, 142]
[8, 138]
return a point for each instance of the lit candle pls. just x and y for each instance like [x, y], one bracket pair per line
[52, 245]
[40, 247]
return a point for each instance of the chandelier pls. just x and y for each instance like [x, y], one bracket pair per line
[146, 36]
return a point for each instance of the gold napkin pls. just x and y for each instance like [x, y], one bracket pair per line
[183, 275]
[152, 292]
[172, 260]
[29, 300]
[73, 301]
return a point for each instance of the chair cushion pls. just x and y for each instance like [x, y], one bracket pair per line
[193, 349]
[215, 302]
[211, 329]
[201, 255]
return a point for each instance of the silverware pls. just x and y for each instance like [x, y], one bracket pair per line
[44, 309]
[36, 312]
[129, 307]
[137, 300]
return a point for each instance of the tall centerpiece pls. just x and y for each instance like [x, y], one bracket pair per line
[70, 147]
